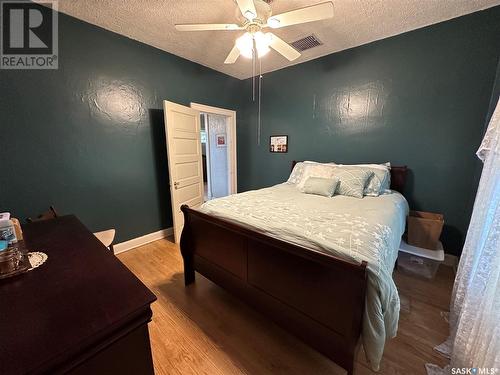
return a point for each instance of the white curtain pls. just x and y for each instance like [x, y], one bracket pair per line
[474, 340]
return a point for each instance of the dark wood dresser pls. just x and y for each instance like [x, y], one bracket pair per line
[81, 312]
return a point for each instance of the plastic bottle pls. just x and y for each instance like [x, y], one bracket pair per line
[8, 232]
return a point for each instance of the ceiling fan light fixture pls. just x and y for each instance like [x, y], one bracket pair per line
[262, 42]
[254, 43]
[273, 23]
[263, 51]
[245, 45]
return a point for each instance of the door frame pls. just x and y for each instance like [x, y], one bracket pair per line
[207, 156]
[231, 136]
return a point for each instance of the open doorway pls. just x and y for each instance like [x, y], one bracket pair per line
[218, 145]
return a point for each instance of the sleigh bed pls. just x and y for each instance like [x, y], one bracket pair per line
[315, 295]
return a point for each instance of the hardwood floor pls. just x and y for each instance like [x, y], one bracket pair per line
[202, 329]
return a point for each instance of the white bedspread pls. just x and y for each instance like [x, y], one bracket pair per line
[367, 229]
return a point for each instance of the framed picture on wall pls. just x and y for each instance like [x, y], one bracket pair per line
[221, 140]
[278, 143]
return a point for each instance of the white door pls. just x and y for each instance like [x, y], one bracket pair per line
[182, 128]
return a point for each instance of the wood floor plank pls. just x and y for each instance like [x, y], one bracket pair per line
[202, 329]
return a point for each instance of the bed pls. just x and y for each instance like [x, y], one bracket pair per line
[319, 267]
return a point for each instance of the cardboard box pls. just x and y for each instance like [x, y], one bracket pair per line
[424, 229]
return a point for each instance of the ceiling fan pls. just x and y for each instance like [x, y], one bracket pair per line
[257, 16]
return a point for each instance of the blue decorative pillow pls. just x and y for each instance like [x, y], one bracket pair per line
[380, 182]
[352, 181]
[320, 186]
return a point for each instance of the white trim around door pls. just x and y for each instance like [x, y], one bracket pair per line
[231, 136]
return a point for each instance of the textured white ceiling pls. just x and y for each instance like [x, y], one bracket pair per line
[355, 22]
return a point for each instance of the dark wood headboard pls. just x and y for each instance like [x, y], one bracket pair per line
[398, 176]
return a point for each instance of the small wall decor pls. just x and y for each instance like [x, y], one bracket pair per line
[221, 140]
[278, 143]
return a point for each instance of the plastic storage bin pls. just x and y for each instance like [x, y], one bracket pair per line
[420, 262]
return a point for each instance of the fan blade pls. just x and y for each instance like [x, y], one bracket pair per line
[233, 55]
[279, 45]
[207, 26]
[308, 14]
[247, 8]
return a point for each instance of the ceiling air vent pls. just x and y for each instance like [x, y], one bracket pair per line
[308, 42]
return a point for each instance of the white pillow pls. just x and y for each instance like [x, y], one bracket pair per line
[316, 170]
[317, 162]
[297, 172]
[383, 165]
[299, 168]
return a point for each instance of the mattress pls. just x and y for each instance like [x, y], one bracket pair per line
[367, 229]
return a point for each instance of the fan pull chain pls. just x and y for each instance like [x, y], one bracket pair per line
[253, 72]
[260, 97]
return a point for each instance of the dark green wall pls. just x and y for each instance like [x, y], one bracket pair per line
[89, 137]
[495, 93]
[418, 99]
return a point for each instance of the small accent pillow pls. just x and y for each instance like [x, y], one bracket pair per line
[352, 181]
[321, 186]
[315, 170]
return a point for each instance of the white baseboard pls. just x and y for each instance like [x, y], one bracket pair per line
[143, 240]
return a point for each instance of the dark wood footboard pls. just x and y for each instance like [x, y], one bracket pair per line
[315, 296]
